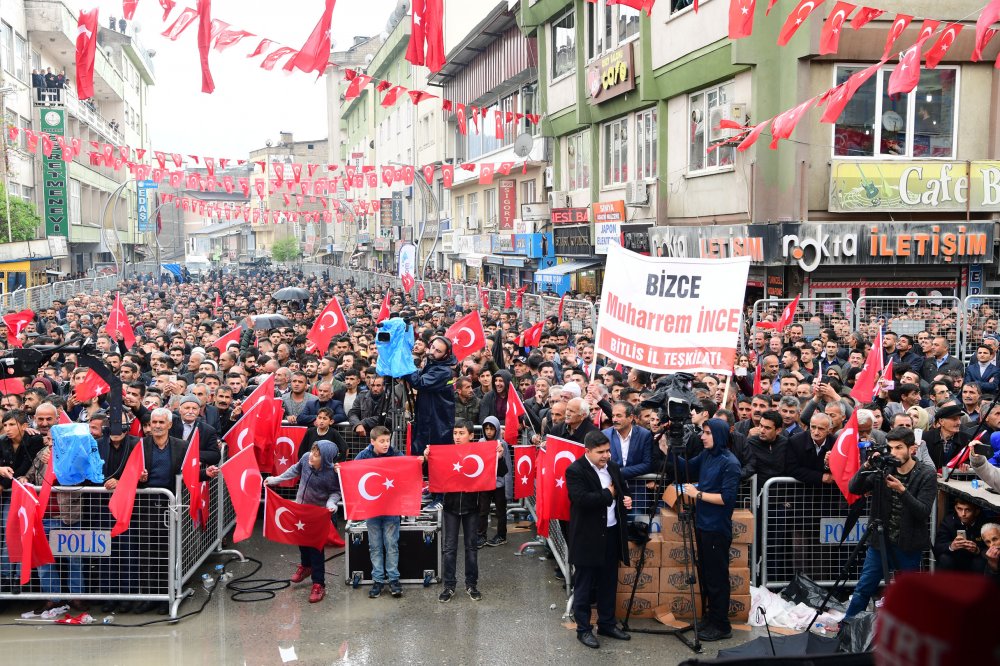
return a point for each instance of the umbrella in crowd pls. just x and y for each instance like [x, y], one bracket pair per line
[291, 294]
[266, 322]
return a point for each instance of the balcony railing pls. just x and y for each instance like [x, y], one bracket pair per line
[83, 110]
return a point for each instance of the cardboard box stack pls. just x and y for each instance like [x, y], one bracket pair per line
[663, 581]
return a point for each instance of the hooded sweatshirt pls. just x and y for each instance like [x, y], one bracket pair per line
[493, 403]
[320, 487]
[503, 469]
[717, 471]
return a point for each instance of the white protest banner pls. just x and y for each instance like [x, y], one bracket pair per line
[671, 315]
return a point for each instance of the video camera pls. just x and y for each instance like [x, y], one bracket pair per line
[880, 460]
[673, 399]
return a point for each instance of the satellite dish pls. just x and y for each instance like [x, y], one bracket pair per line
[523, 145]
[268, 143]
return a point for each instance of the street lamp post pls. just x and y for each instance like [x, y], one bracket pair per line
[104, 213]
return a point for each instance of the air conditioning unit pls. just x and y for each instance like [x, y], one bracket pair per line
[735, 111]
[636, 193]
[471, 223]
[558, 200]
[548, 177]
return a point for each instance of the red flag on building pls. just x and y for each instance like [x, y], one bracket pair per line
[91, 387]
[837, 98]
[286, 521]
[906, 75]
[381, 487]
[25, 533]
[86, 52]
[898, 26]
[118, 323]
[845, 459]
[426, 45]
[123, 498]
[462, 468]
[466, 335]
[384, 312]
[286, 451]
[243, 481]
[829, 40]
[524, 471]
[205, 43]
[314, 56]
[230, 337]
[532, 337]
[795, 19]
[330, 322]
[989, 16]
[741, 18]
[942, 45]
[191, 473]
[16, 322]
[512, 419]
[786, 318]
[865, 16]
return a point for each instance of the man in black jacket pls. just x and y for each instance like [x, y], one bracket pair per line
[905, 507]
[958, 545]
[768, 448]
[186, 421]
[577, 425]
[597, 540]
[807, 452]
[17, 452]
[370, 409]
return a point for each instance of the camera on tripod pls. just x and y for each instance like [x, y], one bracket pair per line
[880, 460]
[673, 400]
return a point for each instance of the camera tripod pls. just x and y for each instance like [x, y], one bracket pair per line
[686, 515]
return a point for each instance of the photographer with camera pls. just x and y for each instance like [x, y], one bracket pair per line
[904, 490]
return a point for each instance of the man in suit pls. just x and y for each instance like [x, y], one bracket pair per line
[939, 361]
[597, 540]
[631, 446]
[807, 452]
[324, 395]
[983, 371]
[188, 420]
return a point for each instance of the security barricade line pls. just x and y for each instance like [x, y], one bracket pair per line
[800, 531]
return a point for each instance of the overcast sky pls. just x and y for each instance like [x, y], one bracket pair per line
[249, 105]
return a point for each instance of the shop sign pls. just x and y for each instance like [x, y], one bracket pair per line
[611, 75]
[503, 244]
[534, 246]
[525, 226]
[513, 262]
[397, 208]
[536, 212]
[836, 244]
[508, 204]
[385, 212]
[573, 241]
[570, 216]
[55, 186]
[608, 219]
[381, 244]
[932, 186]
[756, 241]
[775, 284]
[635, 237]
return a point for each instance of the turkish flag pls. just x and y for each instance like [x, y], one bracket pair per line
[357, 84]
[407, 281]
[462, 468]
[757, 388]
[741, 18]
[135, 429]
[91, 387]
[532, 337]
[562, 304]
[331, 322]
[988, 17]
[866, 383]
[898, 26]
[205, 43]
[16, 322]
[829, 40]
[118, 322]
[906, 75]
[381, 487]
[552, 502]
[486, 173]
[191, 472]
[286, 521]
[243, 481]
[837, 98]
[787, 316]
[484, 296]
[25, 534]
[415, 47]
[232, 336]
[421, 294]
[48, 481]
[512, 419]
[123, 498]
[426, 45]
[943, 43]
[845, 460]
[270, 414]
[865, 16]
[784, 123]
[467, 335]
[796, 18]
[314, 56]
[384, 312]
[507, 301]
[286, 451]
[524, 471]
[86, 52]
[236, 438]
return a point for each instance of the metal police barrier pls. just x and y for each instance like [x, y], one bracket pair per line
[801, 530]
[982, 314]
[813, 314]
[42, 296]
[938, 315]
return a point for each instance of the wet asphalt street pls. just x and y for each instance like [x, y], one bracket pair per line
[513, 624]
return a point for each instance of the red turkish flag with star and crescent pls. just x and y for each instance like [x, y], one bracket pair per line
[16, 322]
[314, 55]
[552, 502]
[123, 498]
[230, 337]
[243, 481]
[462, 468]
[829, 40]
[25, 533]
[524, 471]
[286, 447]
[407, 281]
[287, 521]
[466, 335]
[741, 18]
[384, 311]
[330, 322]
[91, 387]
[512, 419]
[796, 18]
[845, 460]
[381, 487]
[86, 52]
[787, 316]
[532, 337]
[191, 472]
[118, 323]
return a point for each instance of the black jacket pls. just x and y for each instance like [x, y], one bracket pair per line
[115, 459]
[803, 461]
[434, 419]
[369, 411]
[20, 461]
[917, 502]
[930, 369]
[562, 430]
[940, 451]
[947, 531]
[588, 513]
[208, 445]
[768, 459]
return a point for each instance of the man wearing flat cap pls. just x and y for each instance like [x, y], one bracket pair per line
[946, 439]
[188, 420]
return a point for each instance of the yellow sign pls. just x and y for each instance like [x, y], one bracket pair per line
[611, 75]
[928, 186]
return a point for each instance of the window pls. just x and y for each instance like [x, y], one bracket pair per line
[36, 60]
[615, 149]
[678, 5]
[578, 161]
[564, 45]
[645, 141]
[7, 47]
[490, 204]
[74, 202]
[921, 124]
[21, 58]
[28, 194]
[459, 212]
[474, 208]
[529, 105]
[528, 191]
[706, 109]
[609, 27]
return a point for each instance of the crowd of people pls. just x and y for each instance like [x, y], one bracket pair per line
[176, 382]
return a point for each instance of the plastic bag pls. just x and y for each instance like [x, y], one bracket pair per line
[804, 590]
[857, 634]
[75, 457]
[395, 355]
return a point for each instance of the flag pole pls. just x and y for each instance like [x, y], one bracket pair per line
[725, 394]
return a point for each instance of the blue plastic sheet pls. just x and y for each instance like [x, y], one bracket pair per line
[75, 457]
[395, 356]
